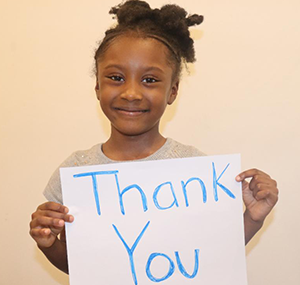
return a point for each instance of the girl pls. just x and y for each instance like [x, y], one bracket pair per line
[138, 66]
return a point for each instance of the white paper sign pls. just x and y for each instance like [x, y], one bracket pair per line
[176, 221]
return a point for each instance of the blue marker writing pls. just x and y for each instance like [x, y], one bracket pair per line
[171, 267]
[131, 250]
[95, 184]
[182, 269]
[216, 183]
[143, 196]
[204, 194]
[120, 193]
[156, 191]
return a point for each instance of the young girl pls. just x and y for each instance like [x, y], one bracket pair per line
[138, 66]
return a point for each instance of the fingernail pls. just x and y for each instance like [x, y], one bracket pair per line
[238, 178]
[46, 231]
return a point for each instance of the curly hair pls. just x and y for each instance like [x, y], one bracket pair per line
[169, 25]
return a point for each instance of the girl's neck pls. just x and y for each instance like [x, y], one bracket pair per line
[121, 147]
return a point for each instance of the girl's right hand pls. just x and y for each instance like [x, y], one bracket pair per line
[47, 222]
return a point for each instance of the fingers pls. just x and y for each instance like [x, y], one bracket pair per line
[261, 185]
[250, 173]
[267, 195]
[53, 210]
[258, 181]
[40, 233]
[44, 221]
[48, 221]
[53, 206]
[262, 191]
[53, 215]
[44, 237]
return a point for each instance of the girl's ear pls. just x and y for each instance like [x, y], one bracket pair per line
[97, 89]
[174, 92]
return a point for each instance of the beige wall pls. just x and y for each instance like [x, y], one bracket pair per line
[242, 96]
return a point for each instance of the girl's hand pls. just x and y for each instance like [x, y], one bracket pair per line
[260, 195]
[47, 222]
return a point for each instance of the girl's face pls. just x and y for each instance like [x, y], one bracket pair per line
[134, 84]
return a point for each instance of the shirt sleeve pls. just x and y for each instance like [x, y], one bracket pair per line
[53, 191]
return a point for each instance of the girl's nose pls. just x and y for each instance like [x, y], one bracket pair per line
[131, 92]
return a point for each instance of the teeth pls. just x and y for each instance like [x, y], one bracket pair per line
[132, 111]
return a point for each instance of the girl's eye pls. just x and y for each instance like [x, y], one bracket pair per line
[116, 78]
[149, 80]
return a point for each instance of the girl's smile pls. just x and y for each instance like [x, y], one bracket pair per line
[127, 111]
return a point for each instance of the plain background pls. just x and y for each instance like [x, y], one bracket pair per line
[242, 96]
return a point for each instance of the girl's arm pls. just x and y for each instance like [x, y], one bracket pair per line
[250, 227]
[47, 223]
[260, 196]
[57, 254]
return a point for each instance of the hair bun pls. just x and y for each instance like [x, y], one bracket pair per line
[131, 12]
[194, 20]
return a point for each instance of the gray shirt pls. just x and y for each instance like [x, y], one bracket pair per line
[95, 156]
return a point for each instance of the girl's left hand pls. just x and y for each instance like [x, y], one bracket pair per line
[260, 194]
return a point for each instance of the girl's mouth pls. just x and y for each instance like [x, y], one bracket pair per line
[131, 111]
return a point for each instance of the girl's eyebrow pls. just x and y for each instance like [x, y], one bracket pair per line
[113, 66]
[154, 68]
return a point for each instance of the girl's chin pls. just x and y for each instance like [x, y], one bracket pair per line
[134, 131]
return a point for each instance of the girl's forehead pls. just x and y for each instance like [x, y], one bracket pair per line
[133, 49]
[127, 43]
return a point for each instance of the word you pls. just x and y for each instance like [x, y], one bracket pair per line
[130, 251]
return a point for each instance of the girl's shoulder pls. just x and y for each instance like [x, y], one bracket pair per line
[175, 149]
[91, 156]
